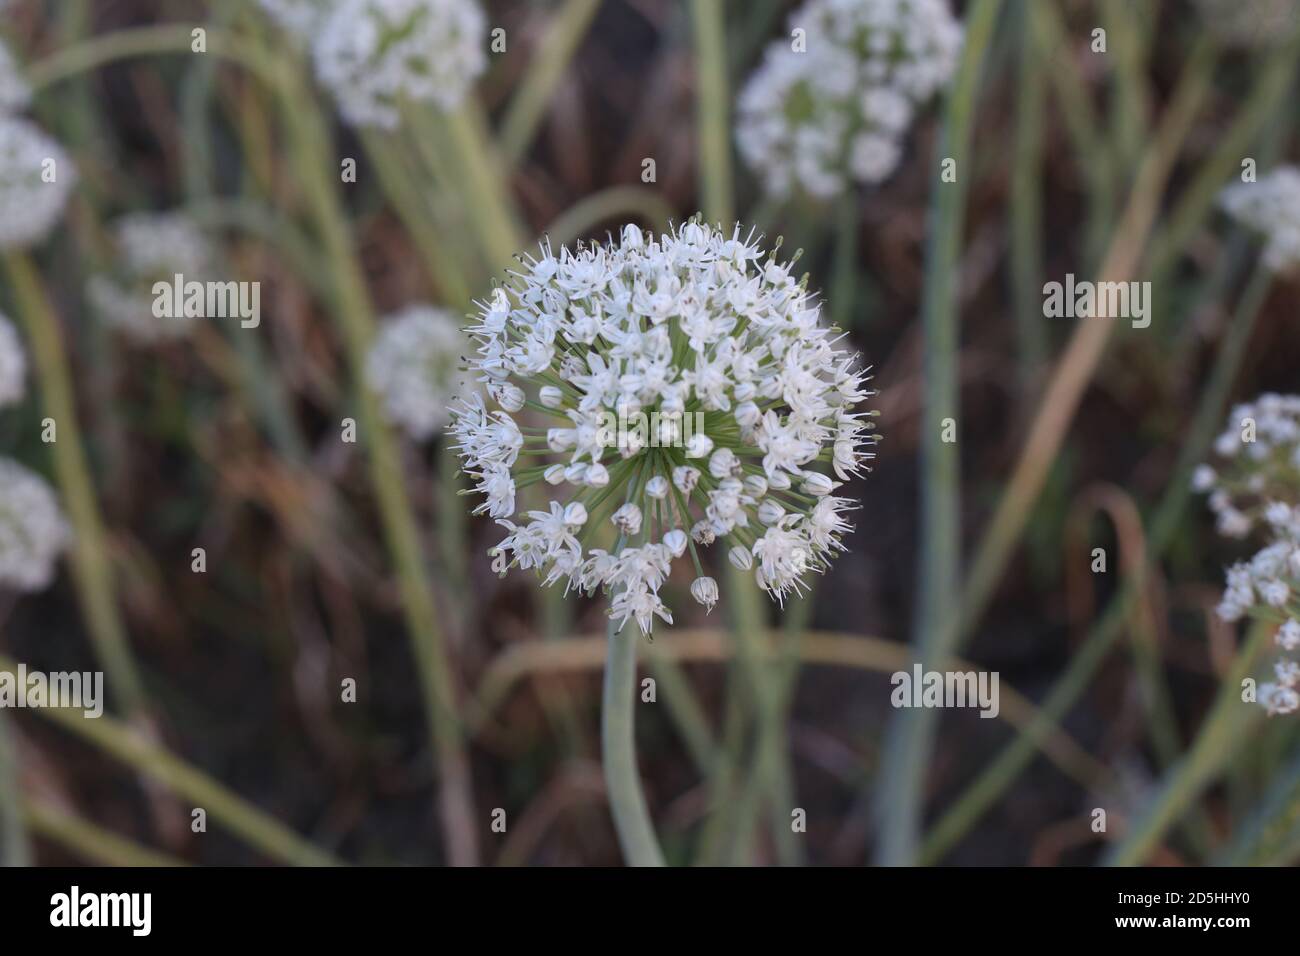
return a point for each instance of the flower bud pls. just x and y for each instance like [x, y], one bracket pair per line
[561, 439]
[510, 397]
[817, 484]
[699, 445]
[723, 463]
[627, 519]
[770, 511]
[705, 591]
[685, 478]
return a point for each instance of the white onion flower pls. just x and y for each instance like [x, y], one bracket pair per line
[1259, 452]
[1271, 207]
[647, 328]
[414, 366]
[13, 365]
[374, 54]
[833, 111]
[1256, 487]
[32, 530]
[36, 178]
[150, 248]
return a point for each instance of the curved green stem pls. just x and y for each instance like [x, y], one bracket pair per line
[137, 41]
[618, 752]
[93, 570]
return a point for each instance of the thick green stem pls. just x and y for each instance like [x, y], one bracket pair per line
[1027, 207]
[713, 127]
[487, 188]
[92, 568]
[618, 751]
[14, 848]
[911, 732]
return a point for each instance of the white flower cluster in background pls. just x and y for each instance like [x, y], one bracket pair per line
[32, 530]
[1270, 206]
[36, 178]
[14, 92]
[1257, 488]
[150, 247]
[688, 395]
[373, 54]
[1260, 452]
[415, 365]
[829, 107]
[1251, 23]
[13, 365]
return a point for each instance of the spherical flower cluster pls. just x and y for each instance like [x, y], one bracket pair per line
[1251, 23]
[829, 105]
[373, 54]
[414, 366]
[689, 395]
[14, 91]
[150, 247]
[1258, 487]
[13, 364]
[1260, 452]
[36, 177]
[32, 529]
[1270, 206]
